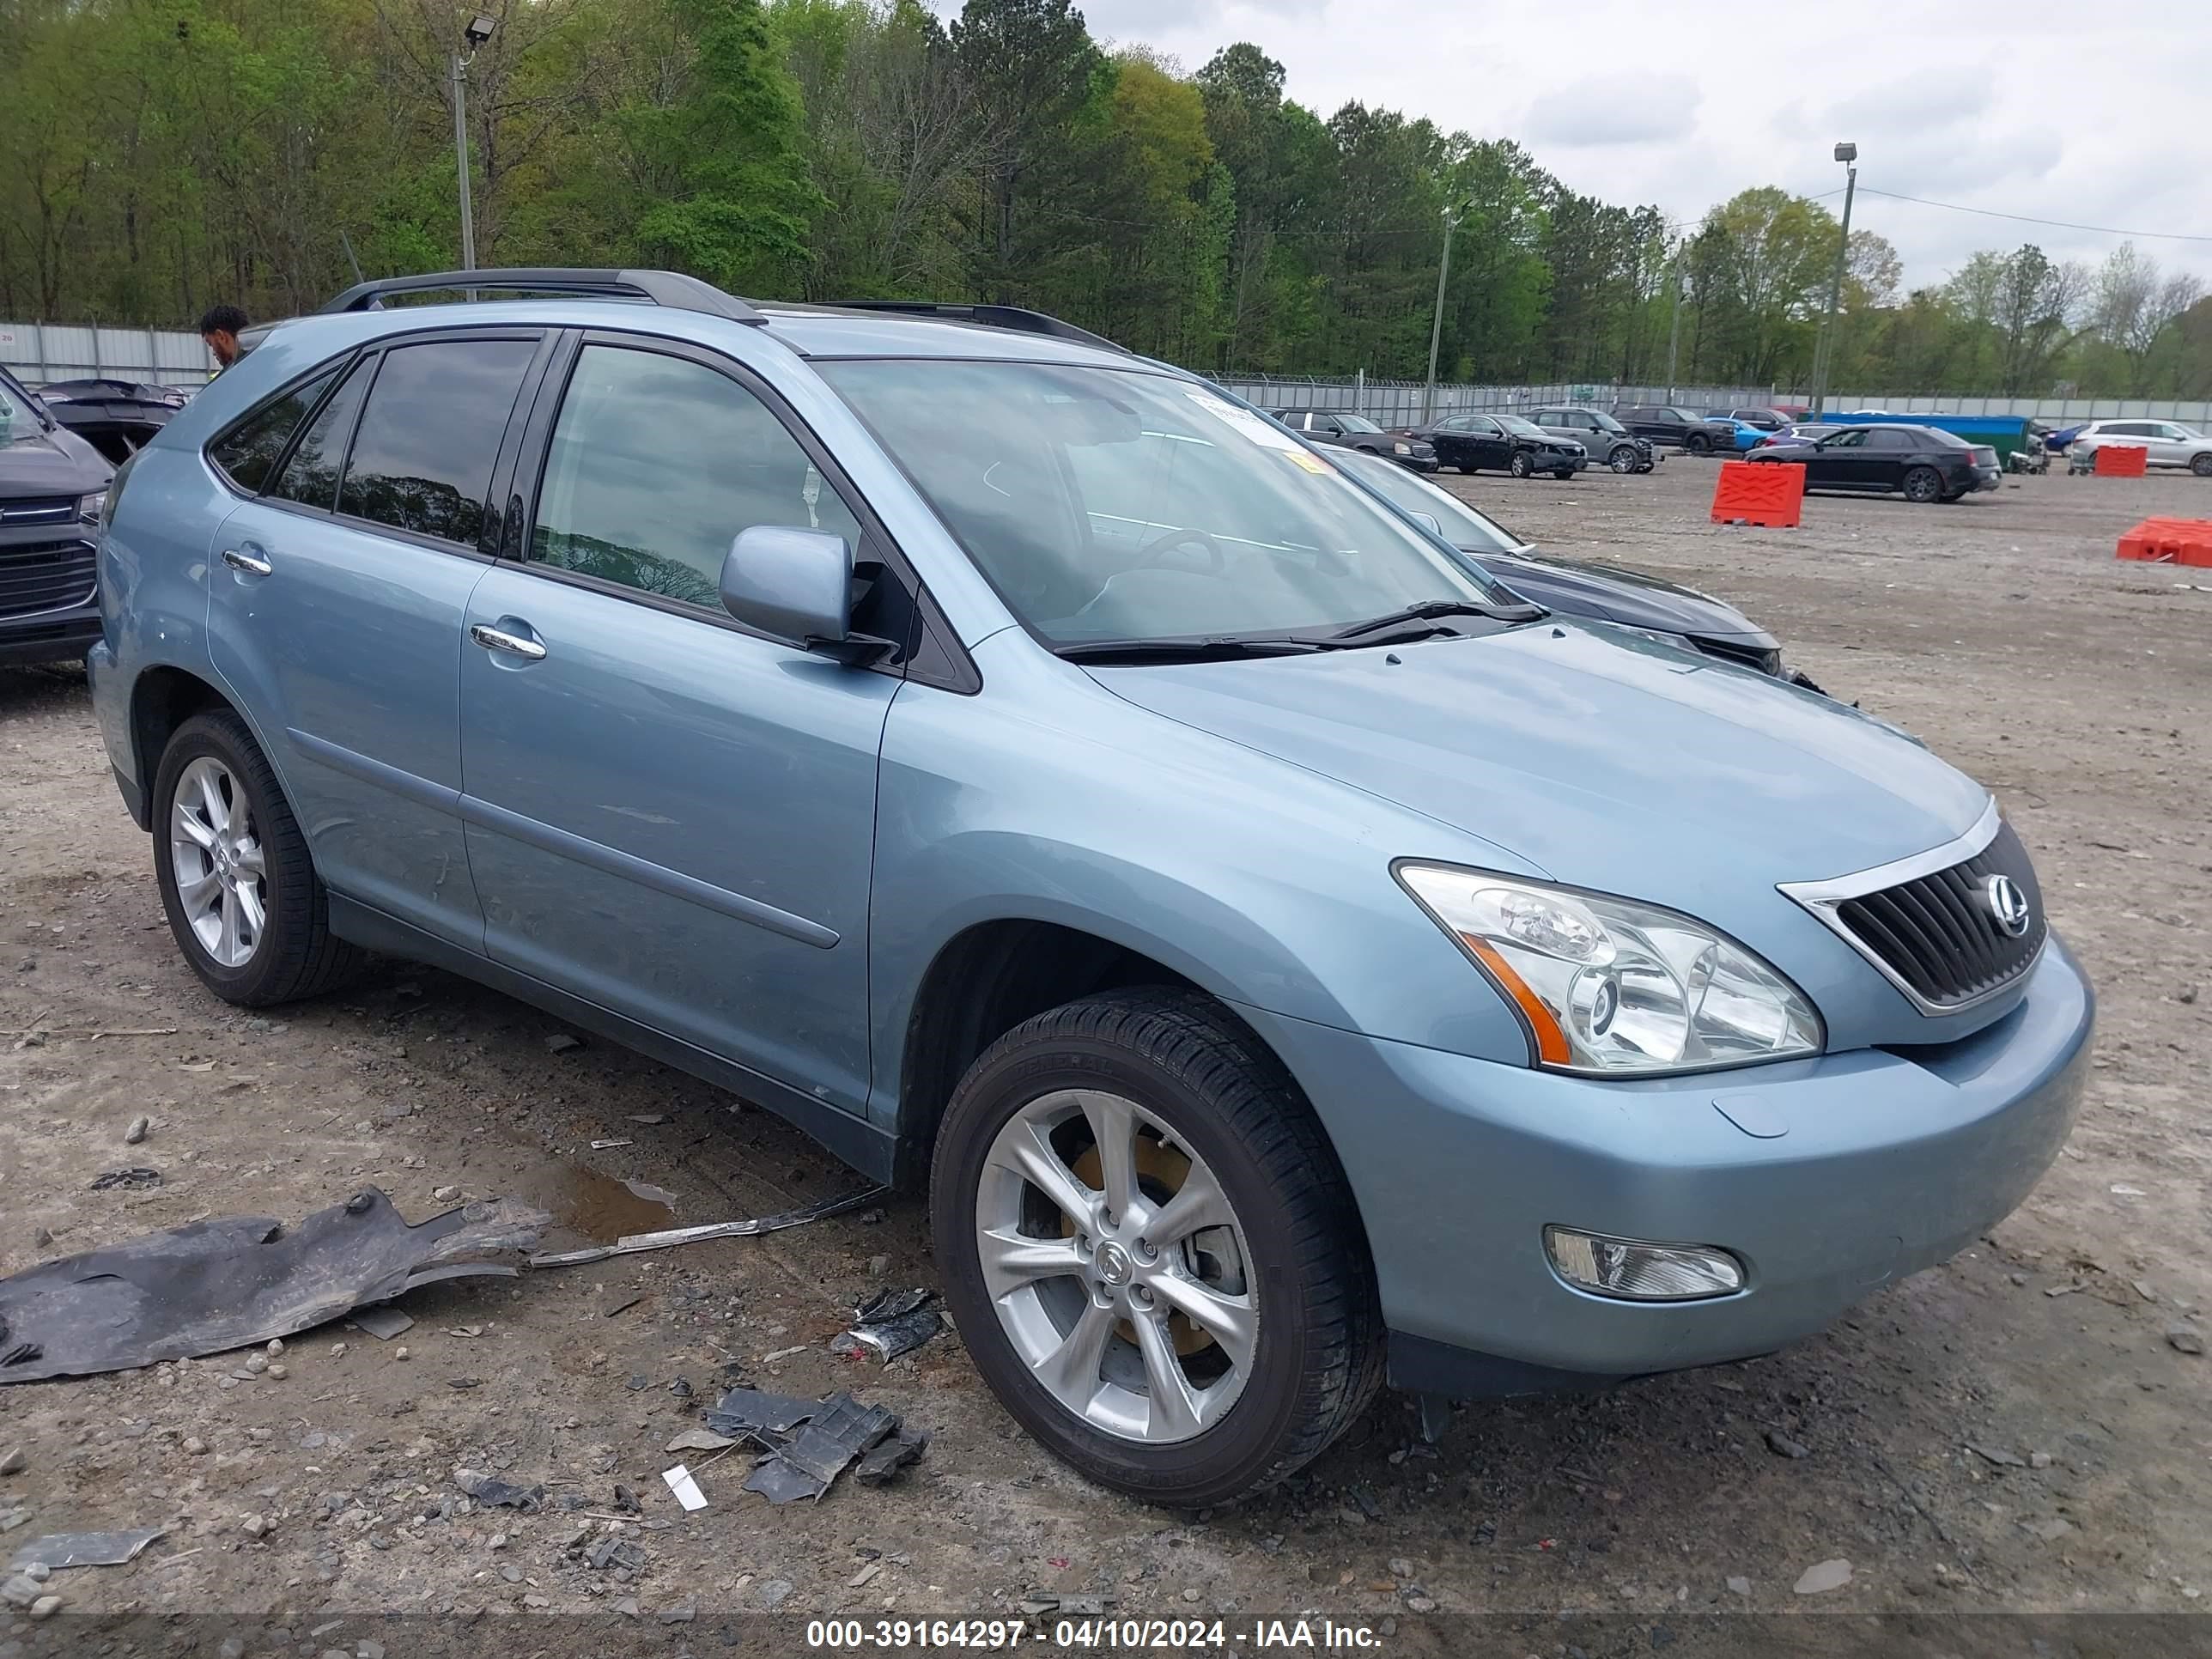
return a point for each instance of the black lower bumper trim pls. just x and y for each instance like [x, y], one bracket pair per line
[1421, 1364]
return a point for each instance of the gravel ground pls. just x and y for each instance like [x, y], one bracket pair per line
[2013, 1432]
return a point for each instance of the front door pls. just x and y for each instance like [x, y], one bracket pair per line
[1838, 462]
[335, 613]
[669, 815]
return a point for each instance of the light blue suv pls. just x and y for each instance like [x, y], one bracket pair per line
[1282, 956]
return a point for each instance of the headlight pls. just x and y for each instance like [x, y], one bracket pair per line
[1608, 985]
[1403, 449]
[88, 507]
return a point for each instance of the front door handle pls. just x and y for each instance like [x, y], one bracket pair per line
[498, 639]
[249, 564]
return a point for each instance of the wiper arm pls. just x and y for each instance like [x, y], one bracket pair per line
[1222, 649]
[1429, 609]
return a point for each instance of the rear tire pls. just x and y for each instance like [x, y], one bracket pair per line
[2201, 465]
[1924, 484]
[237, 880]
[1198, 1100]
[1520, 466]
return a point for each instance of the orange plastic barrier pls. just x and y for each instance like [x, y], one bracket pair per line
[2122, 460]
[1748, 493]
[2169, 541]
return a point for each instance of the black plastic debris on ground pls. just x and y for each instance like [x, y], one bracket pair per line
[493, 1493]
[211, 1286]
[131, 1181]
[889, 1324]
[811, 1441]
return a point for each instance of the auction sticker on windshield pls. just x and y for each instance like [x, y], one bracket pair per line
[1250, 425]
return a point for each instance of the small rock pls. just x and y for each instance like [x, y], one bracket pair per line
[194, 1446]
[626, 1606]
[255, 1525]
[498, 1541]
[232, 1648]
[445, 1194]
[338, 1350]
[2038, 1460]
[45, 1607]
[2185, 1339]
[19, 1591]
[1739, 1586]
[1191, 1593]
[277, 1373]
[274, 1346]
[774, 1593]
[400, 1352]
[368, 1650]
[512, 1573]
[2018, 1278]
[255, 1364]
[2003, 1460]
[1421, 1603]
[1783, 1446]
[1824, 1577]
[562, 1043]
[879, 1265]
[1401, 1567]
[38, 1573]
[140, 1127]
[15, 1460]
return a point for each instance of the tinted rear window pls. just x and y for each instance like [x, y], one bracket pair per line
[422, 457]
[248, 452]
[310, 476]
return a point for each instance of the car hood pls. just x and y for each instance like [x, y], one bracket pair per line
[1628, 596]
[1597, 758]
[37, 462]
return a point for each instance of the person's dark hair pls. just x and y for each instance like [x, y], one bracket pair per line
[223, 320]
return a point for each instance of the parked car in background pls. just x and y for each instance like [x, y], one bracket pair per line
[1603, 439]
[1748, 434]
[116, 417]
[2170, 443]
[1502, 443]
[1798, 432]
[1604, 593]
[1766, 420]
[1677, 428]
[1923, 463]
[1343, 428]
[1285, 956]
[52, 483]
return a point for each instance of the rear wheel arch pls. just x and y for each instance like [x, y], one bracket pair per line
[161, 700]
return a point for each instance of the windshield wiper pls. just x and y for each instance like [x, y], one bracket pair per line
[1223, 649]
[1428, 610]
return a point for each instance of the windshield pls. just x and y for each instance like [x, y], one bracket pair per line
[1605, 422]
[1110, 504]
[1357, 423]
[1526, 429]
[1458, 523]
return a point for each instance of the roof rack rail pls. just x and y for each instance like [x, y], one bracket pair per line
[1017, 318]
[660, 287]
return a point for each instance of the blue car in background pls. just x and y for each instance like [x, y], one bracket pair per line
[1284, 957]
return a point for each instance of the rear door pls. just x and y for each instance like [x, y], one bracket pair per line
[1886, 455]
[336, 610]
[669, 815]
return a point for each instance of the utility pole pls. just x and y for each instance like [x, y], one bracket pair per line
[1824, 349]
[478, 32]
[1453, 215]
[1674, 328]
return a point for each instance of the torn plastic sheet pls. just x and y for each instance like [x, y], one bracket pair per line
[891, 1323]
[766, 1420]
[891, 1457]
[630, 1243]
[840, 1432]
[494, 1493]
[84, 1549]
[215, 1285]
[810, 1442]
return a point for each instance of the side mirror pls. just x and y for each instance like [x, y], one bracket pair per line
[794, 584]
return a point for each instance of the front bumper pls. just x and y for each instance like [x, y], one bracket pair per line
[50, 636]
[1867, 1166]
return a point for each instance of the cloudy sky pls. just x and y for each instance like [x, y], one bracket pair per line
[2075, 112]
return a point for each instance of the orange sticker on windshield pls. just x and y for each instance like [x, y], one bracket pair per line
[1313, 464]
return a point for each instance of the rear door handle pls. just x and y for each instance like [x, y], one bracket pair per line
[514, 645]
[250, 564]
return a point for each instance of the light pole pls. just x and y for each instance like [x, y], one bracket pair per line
[1824, 347]
[478, 32]
[1453, 215]
[1674, 328]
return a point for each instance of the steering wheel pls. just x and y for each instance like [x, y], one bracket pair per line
[1179, 538]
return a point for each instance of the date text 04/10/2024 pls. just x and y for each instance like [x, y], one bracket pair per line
[1092, 1634]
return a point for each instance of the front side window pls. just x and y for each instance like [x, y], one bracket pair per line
[1109, 504]
[247, 452]
[422, 457]
[656, 462]
[1514, 423]
[1357, 423]
[1851, 439]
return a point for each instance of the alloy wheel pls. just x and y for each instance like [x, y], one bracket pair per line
[1119, 1271]
[217, 856]
[1624, 459]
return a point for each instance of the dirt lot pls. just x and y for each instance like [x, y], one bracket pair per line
[2013, 1432]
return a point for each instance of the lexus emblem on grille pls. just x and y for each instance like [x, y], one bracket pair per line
[2008, 905]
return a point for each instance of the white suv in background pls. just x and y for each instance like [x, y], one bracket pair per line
[2170, 443]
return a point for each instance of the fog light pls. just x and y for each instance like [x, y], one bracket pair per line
[1636, 1272]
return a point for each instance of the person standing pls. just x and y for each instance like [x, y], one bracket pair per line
[220, 328]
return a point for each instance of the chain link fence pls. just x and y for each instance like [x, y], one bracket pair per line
[1409, 402]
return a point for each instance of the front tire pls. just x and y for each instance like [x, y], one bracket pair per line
[237, 880]
[1150, 1251]
[1520, 467]
[1924, 484]
[1699, 445]
[2201, 465]
[1624, 460]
